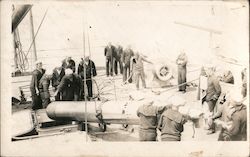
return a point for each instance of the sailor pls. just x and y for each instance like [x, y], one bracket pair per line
[237, 129]
[68, 62]
[148, 115]
[36, 76]
[126, 57]
[109, 52]
[222, 115]
[44, 87]
[181, 61]
[138, 69]
[57, 76]
[90, 73]
[70, 86]
[119, 51]
[171, 121]
[212, 94]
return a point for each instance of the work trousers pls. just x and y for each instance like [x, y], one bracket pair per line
[46, 102]
[145, 135]
[138, 76]
[58, 96]
[211, 105]
[109, 66]
[126, 71]
[89, 89]
[36, 102]
[182, 78]
[116, 67]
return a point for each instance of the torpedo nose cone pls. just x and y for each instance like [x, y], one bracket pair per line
[51, 108]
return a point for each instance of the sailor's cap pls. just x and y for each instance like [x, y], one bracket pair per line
[38, 62]
[68, 71]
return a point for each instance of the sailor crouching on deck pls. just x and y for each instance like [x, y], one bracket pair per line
[171, 121]
[70, 86]
[57, 76]
[148, 114]
[237, 129]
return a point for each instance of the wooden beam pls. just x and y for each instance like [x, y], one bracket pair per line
[199, 28]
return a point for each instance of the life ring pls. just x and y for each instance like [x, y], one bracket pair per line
[163, 72]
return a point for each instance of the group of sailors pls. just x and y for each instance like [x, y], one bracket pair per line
[225, 111]
[230, 119]
[130, 64]
[132, 68]
[167, 119]
[67, 84]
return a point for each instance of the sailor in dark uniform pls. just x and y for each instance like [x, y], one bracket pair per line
[70, 86]
[171, 121]
[34, 89]
[148, 114]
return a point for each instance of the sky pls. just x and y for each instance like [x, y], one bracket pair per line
[149, 27]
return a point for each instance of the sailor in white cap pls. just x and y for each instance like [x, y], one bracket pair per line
[68, 62]
[171, 121]
[70, 86]
[68, 71]
[238, 128]
[87, 70]
[36, 76]
[148, 115]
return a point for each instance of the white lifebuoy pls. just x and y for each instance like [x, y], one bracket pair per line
[163, 72]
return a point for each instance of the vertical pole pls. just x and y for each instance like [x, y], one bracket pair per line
[14, 43]
[85, 96]
[33, 35]
[113, 72]
[91, 71]
[15, 52]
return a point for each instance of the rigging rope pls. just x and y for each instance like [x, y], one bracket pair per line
[37, 32]
[20, 59]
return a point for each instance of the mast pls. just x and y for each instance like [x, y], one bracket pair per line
[33, 35]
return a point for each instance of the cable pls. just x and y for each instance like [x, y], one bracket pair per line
[21, 60]
[37, 32]
[176, 86]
